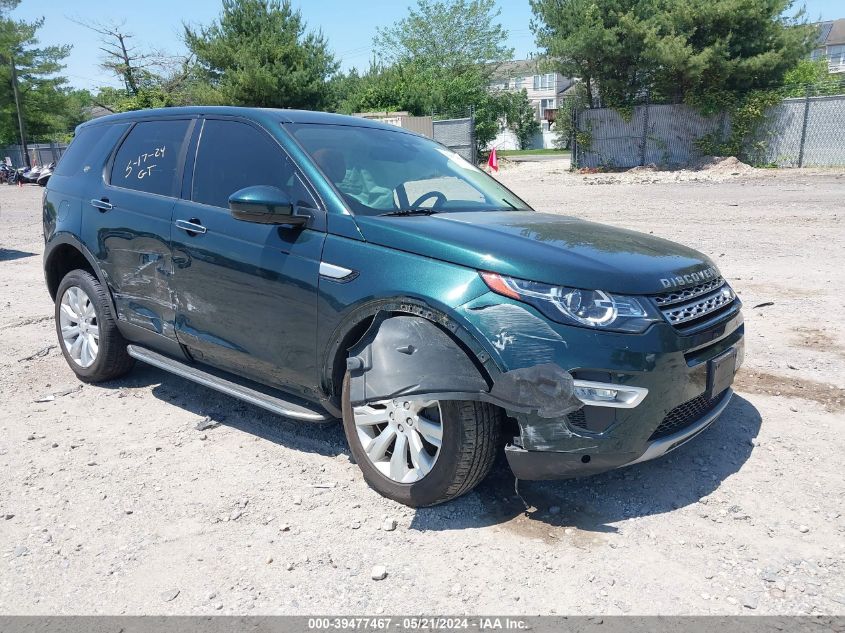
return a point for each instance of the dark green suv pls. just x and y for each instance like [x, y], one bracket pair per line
[323, 266]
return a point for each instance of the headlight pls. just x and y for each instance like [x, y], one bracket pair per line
[588, 308]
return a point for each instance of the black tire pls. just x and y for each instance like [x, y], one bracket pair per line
[467, 453]
[112, 361]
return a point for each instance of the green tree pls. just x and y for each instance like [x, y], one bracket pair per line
[814, 77]
[437, 60]
[259, 53]
[703, 52]
[519, 115]
[49, 108]
[447, 35]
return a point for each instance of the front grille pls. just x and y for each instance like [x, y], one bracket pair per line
[685, 415]
[578, 418]
[679, 296]
[686, 309]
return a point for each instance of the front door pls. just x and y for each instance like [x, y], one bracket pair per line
[245, 293]
[127, 221]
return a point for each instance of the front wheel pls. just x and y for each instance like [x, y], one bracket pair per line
[421, 452]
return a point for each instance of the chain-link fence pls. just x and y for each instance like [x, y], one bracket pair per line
[802, 132]
[805, 131]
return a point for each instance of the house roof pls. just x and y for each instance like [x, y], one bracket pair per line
[527, 68]
[831, 32]
[518, 68]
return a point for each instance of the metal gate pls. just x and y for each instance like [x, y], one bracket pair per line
[459, 136]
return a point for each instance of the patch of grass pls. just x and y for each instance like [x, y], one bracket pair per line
[533, 152]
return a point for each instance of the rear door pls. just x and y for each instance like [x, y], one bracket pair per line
[246, 294]
[128, 220]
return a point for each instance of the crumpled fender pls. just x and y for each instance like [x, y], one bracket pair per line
[409, 355]
[406, 355]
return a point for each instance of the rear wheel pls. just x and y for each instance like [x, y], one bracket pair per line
[88, 335]
[421, 452]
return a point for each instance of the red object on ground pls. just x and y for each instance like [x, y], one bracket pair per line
[493, 161]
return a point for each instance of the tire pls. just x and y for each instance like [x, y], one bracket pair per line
[470, 439]
[111, 359]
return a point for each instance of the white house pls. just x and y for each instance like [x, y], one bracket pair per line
[831, 44]
[545, 91]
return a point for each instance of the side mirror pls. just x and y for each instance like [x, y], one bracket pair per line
[263, 204]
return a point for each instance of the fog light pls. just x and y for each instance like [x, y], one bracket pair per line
[595, 393]
[602, 394]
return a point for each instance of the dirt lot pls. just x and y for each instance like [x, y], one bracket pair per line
[112, 501]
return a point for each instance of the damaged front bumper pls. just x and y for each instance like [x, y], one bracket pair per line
[660, 388]
[585, 401]
[536, 465]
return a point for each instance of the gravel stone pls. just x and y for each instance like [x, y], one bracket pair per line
[378, 572]
[169, 595]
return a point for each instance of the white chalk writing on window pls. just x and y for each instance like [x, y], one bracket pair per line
[141, 167]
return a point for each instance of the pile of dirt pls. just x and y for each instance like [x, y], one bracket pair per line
[721, 165]
[643, 169]
[705, 169]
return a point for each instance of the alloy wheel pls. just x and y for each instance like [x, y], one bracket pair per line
[79, 326]
[401, 438]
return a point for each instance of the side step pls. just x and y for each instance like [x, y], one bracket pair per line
[247, 394]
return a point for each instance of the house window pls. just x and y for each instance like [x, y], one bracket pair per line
[546, 104]
[544, 82]
[836, 56]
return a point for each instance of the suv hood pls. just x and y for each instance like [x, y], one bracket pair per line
[545, 247]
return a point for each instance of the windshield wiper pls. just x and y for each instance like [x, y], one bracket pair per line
[417, 211]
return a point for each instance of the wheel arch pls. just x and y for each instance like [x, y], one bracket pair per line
[360, 321]
[65, 253]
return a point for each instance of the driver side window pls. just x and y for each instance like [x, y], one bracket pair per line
[233, 155]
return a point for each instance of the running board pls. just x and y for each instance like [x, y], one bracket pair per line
[241, 392]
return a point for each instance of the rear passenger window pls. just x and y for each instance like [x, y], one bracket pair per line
[148, 158]
[234, 155]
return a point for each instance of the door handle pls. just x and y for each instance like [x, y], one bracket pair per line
[191, 226]
[102, 205]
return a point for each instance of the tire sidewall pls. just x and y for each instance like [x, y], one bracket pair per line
[91, 286]
[432, 488]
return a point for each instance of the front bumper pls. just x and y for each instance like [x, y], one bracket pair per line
[676, 369]
[536, 465]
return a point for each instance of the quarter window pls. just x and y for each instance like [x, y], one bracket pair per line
[149, 157]
[89, 149]
[233, 155]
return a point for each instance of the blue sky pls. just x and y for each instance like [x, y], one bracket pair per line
[348, 25]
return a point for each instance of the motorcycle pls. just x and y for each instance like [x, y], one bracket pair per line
[7, 173]
[44, 175]
[31, 174]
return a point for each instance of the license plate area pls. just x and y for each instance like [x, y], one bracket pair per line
[720, 372]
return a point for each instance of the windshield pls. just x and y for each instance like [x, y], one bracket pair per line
[381, 171]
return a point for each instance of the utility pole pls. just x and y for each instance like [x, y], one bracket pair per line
[24, 150]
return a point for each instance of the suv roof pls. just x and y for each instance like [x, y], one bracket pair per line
[265, 114]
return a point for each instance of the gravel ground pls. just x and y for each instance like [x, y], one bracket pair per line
[151, 495]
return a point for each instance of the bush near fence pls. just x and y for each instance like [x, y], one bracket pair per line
[806, 131]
